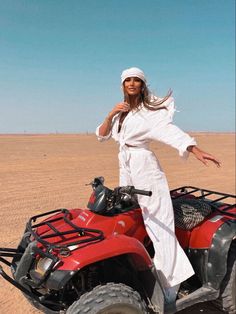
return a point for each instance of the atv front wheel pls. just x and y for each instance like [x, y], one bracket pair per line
[227, 299]
[111, 298]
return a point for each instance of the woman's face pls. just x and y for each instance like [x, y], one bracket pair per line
[133, 86]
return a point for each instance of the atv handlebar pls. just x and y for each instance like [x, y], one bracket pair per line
[131, 190]
[104, 200]
[120, 190]
[142, 192]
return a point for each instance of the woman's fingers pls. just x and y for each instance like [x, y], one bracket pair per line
[123, 106]
[203, 157]
[214, 160]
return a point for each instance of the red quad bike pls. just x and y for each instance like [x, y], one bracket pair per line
[99, 260]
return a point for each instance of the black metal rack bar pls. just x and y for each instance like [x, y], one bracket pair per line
[90, 234]
[55, 230]
[190, 190]
[8, 252]
[219, 199]
[185, 191]
[204, 195]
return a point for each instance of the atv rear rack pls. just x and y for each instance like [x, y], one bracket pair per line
[214, 201]
[85, 235]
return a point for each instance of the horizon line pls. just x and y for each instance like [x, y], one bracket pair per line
[93, 133]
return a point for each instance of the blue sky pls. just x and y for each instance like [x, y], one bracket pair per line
[60, 61]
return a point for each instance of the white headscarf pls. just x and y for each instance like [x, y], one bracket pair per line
[132, 72]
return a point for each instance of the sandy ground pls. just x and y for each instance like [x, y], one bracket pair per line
[45, 172]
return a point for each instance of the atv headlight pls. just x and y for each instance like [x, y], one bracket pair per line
[42, 265]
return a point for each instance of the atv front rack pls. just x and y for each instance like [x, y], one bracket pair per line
[24, 257]
[58, 238]
[85, 235]
[214, 199]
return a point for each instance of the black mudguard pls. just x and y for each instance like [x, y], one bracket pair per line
[210, 264]
[218, 253]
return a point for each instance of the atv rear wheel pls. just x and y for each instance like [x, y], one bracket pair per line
[111, 298]
[227, 300]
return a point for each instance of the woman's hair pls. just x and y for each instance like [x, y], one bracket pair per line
[150, 101]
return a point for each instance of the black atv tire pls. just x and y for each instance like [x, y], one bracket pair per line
[111, 298]
[227, 299]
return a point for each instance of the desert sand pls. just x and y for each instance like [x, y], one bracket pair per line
[45, 172]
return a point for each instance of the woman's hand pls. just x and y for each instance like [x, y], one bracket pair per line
[120, 107]
[203, 156]
[106, 126]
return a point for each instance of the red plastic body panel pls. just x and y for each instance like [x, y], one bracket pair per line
[129, 223]
[123, 234]
[110, 247]
[201, 236]
[183, 237]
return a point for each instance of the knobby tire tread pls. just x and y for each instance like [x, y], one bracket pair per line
[105, 295]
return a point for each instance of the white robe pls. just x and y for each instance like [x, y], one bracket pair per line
[139, 167]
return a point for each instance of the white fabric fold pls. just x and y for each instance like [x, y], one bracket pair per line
[100, 137]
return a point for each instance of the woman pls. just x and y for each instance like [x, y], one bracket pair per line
[134, 123]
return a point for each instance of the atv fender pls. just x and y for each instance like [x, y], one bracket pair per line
[87, 255]
[210, 263]
[218, 253]
[109, 247]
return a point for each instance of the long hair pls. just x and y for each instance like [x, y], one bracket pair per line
[149, 101]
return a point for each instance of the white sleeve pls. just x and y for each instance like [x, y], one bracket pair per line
[112, 131]
[100, 137]
[166, 132]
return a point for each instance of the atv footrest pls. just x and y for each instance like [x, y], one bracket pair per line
[202, 294]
